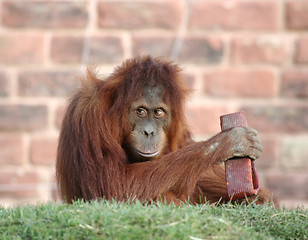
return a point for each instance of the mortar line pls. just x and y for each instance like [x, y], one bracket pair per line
[177, 45]
[87, 40]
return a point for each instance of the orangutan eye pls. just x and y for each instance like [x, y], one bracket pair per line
[141, 112]
[159, 113]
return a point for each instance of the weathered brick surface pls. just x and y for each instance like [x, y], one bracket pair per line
[235, 15]
[275, 119]
[156, 46]
[239, 83]
[4, 85]
[61, 110]
[270, 155]
[51, 83]
[128, 15]
[101, 49]
[189, 81]
[204, 120]
[251, 50]
[21, 184]
[43, 151]
[11, 149]
[292, 184]
[42, 14]
[29, 52]
[294, 84]
[296, 14]
[301, 55]
[294, 153]
[201, 50]
[22, 117]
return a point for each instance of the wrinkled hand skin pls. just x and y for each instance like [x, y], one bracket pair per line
[243, 142]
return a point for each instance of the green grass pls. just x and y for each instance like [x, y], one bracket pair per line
[111, 220]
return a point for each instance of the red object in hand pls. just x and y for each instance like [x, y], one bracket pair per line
[241, 174]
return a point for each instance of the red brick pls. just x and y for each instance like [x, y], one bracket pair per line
[235, 15]
[11, 150]
[4, 85]
[21, 14]
[138, 14]
[189, 80]
[55, 195]
[240, 83]
[301, 52]
[201, 50]
[19, 184]
[21, 49]
[67, 49]
[43, 151]
[291, 184]
[249, 50]
[296, 15]
[60, 115]
[269, 158]
[22, 117]
[294, 152]
[51, 83]
[156, 46]
[193, 49]
[278, 119]
[204, 120]
[294, 84]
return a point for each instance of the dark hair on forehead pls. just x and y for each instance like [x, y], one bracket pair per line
[126, 84]
[148, 71]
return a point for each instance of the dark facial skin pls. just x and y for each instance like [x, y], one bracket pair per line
[150, 118]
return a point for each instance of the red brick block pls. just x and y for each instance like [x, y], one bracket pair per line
[290, 185]
[21, 49]
[51, 83]
[296, 14]
[251, 50]
[20, 184]
[22, 117]
[21, 14]
[301, 52]
[204, 120]
[278, 119]
[201, 50]
[43, 151]
[138, 14]
[156, 46]
[11, 150]
[235, 15]
[67, 49]
[294, 84]
[4, 85]
[240, 83]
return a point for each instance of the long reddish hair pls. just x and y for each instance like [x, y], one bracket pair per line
[90, 159]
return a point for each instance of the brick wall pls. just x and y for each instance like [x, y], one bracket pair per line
[247, 55]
